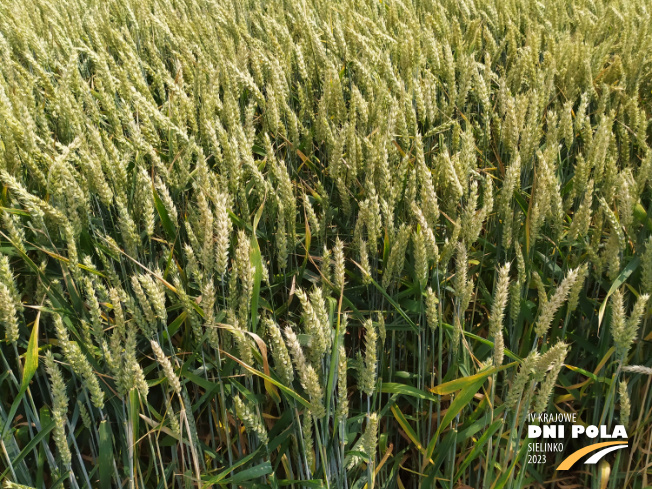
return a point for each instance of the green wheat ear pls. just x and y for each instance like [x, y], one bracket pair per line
[59, 408]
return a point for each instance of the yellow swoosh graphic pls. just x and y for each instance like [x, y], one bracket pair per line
[575, 456]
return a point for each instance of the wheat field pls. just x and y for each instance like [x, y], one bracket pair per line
[345, 244]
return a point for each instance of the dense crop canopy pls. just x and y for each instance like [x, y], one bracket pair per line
[309, 243]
